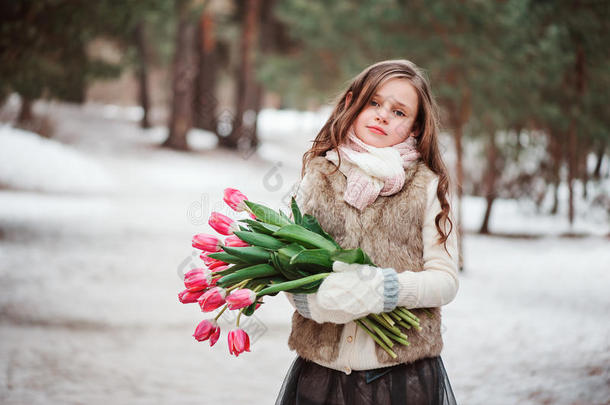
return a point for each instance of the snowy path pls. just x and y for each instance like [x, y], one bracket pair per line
[89, 314]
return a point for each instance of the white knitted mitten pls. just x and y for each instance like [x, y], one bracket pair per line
[373, 290]
[307, 306]
[359, 289]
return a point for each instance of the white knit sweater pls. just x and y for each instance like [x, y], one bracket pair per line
[437, 285]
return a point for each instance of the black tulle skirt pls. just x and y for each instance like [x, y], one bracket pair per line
[424, 382]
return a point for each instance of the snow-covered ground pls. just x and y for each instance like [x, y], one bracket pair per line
[94, 239]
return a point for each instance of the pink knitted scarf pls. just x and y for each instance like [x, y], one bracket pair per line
[372, 171]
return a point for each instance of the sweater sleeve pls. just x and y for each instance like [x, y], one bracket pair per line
[299, 302]
[438, 283]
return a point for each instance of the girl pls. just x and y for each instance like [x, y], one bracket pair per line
[375, 179]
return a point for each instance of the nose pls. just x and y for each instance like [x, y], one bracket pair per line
[382, 113]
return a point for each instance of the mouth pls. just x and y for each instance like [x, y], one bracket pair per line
[376, 130]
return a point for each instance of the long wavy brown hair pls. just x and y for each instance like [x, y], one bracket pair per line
[426, 125]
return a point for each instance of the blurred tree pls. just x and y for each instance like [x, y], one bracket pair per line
[184, 70]
[495, 67]
[573, 87]
[43, 50]
[142, 31]
[501, 101]
[210, 58]
[142, 72]
[243, 133]
[43, 47]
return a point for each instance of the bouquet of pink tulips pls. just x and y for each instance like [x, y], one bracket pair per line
[265, 254]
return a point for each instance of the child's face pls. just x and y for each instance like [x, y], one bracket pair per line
[384, 121]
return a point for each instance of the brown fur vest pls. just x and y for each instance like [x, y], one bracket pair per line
[390, 232]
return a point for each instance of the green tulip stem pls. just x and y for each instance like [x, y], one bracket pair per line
[220, 313]
[378, 331]
[239, 316]
[388, 318]
[404, 324]
[238, 285]
[376, 339]
[408, 313]
[409, 320]
[380, 320]
[395, 316]
[402, 338]
[289, 285]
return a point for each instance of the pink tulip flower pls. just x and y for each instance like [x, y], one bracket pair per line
[234, 241]
[219, 268]
[210, 262]
[207, 329]
[212, 299]
[197, 279]
[222, 223]
[207, 243]
[218, 265]
[188, 297]
[241, 298]
[214, 337]
[235, 199]
[239, 342]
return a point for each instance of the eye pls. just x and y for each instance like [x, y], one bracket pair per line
[374, 103]
[400, 113]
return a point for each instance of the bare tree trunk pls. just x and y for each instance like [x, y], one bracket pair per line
[183, 79]
[243, 135]
[555, 180]
[459, 168]
[205, 96]
[572, 140]
[142, 73]
[26, 114]
[600, 157]
[571, 171]
[584, 173]
[489, 199]
[490, 181]
[458, 117]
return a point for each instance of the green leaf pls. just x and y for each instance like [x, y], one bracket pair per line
[310, 288]
[307, 238]
[281, 261]
[232, 269]
[351, 256]
[292, 284]
[249, 254]
[259, 239]
[256, 271]
[313, 260]
[261, 227]
[286, 217]
[311, 223]
[249, 310]
[267, 215]
[225, 257]
[296, 212]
